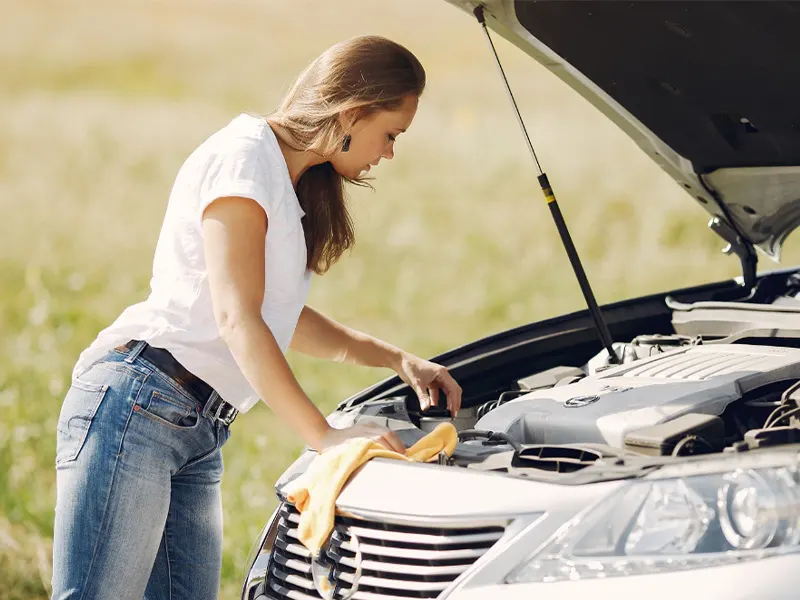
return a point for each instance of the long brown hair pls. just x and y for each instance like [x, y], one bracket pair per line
[361, 75]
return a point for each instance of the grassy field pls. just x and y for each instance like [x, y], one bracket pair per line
[102, 101]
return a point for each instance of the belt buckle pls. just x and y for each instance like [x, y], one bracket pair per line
[230, 415]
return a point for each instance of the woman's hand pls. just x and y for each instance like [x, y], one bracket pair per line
[426, 379]
[323, 337]
[383, 435]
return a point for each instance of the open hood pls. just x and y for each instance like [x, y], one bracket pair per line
[710, 90]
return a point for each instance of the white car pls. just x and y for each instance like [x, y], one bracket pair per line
[664, 463]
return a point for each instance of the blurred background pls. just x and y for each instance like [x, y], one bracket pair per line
[102, 101]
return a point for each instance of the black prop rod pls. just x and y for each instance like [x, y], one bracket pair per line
[555, 211]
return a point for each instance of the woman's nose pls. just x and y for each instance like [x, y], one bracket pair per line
[389, 153]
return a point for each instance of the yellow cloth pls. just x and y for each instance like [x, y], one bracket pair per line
[314, 492]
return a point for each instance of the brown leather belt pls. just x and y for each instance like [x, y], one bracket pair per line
[211, 403]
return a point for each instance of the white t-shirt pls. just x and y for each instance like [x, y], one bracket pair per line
[241, 159]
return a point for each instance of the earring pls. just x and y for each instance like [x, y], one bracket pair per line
[346, 143]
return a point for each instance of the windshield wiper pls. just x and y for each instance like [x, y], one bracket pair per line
[555, 211]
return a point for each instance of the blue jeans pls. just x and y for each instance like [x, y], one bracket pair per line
[138, 471]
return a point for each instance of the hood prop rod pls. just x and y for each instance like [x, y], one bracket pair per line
[555, 211]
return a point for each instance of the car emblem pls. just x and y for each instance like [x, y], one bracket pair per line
[323, 568]
[579, 401]
[615, 389]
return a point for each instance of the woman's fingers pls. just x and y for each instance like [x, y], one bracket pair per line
[382, 435]
[393, 442]
[385, 437]
[453, 391]
[419, 389]
[433, 393]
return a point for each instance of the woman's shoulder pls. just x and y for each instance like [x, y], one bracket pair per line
[245, 133]
[242, 128]
[243, 158]
[247, 123]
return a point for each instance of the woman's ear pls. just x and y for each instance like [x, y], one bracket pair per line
[348, 118]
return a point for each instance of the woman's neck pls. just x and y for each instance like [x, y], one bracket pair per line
[297, 161]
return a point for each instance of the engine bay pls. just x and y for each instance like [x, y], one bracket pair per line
[685, 398]
[673, 396]
[692, 399]
[687, 391]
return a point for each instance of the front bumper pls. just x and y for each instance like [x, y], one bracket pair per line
[775, 578]
[397, 495]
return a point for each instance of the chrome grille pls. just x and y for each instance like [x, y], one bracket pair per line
[397, 561]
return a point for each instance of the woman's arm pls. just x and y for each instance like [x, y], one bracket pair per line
[234, 231]
[320, 336]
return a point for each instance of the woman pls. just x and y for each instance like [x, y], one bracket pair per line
[254, 211]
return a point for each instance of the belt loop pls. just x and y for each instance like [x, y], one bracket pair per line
[136, 351]
[210, 403]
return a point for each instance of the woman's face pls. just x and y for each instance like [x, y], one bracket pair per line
[372, 138]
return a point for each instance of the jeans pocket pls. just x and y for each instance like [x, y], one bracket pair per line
[169, 410]
[77, 413]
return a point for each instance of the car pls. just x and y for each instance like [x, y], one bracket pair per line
[646, 447]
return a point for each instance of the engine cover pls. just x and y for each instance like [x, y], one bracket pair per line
[604, 407]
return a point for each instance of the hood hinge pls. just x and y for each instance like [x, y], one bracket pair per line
[736, 245]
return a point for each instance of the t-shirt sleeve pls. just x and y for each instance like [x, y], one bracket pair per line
[238, 168]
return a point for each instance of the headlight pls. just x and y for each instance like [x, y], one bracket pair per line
[673, 524]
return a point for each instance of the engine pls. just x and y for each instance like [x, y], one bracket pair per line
[687, 400]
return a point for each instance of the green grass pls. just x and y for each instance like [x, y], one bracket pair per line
[104, 100]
